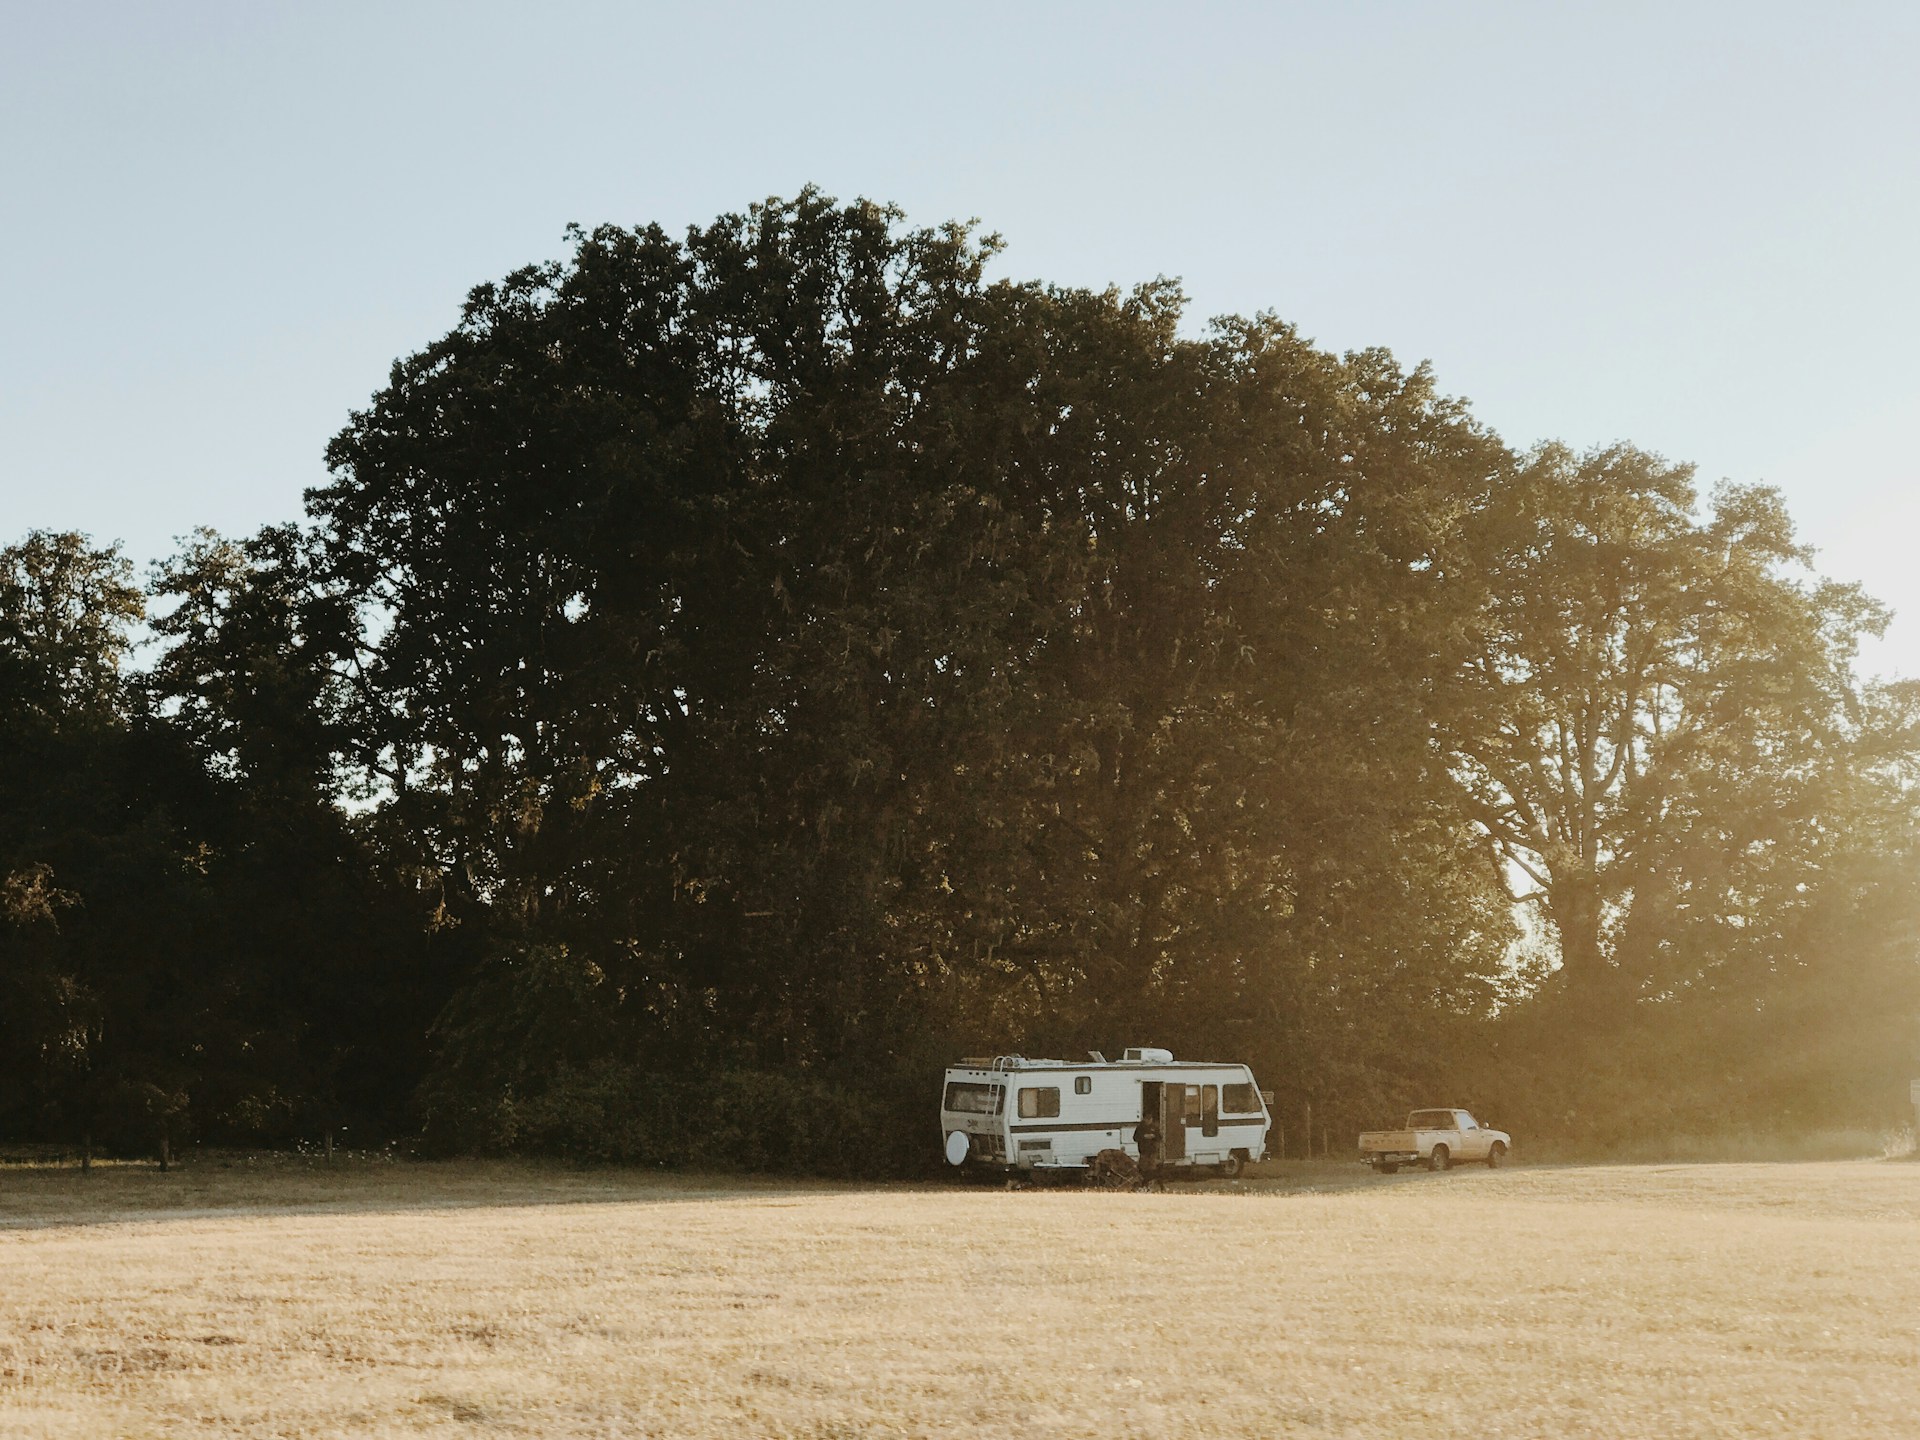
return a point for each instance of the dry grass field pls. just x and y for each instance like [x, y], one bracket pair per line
[1725, 1300]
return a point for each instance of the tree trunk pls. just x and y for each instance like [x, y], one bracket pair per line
[1576, 915]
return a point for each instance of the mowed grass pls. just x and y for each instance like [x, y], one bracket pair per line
[1725, 1300]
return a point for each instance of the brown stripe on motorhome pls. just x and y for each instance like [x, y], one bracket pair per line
[1236, 1123]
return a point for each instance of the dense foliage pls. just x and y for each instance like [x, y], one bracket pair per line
[725, 678]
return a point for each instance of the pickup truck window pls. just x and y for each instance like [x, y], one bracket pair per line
[1240, 1099]
[1431, 1120]
[1467, 1122]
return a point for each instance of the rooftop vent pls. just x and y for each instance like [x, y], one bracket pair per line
[1148, 1055]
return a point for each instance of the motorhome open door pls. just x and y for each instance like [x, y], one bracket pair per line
[1173, 1122]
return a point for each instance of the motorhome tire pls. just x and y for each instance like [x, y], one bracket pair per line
[1440, 1159]
[1234, 1165]
[1387, 1167]
[1496, 1155]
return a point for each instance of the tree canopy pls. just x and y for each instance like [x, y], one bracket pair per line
[788, 655]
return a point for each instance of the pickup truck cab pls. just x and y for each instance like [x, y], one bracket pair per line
[1438, 1139]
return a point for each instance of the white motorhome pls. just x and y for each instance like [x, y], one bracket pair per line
[1009, 1112]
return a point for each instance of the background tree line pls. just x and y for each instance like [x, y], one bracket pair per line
[726, 678]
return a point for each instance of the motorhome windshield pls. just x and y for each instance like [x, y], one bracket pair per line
[971, 1099]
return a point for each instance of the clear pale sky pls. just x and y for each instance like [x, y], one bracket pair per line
[1690, 226]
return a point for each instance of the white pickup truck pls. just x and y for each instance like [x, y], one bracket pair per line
[1437, 1139]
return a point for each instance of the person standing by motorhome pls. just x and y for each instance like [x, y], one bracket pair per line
[1146, 1138]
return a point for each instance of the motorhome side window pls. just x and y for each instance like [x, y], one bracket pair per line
[969, 1099]
[1240, 1099]
[1083, 1084]
[1037, 1103]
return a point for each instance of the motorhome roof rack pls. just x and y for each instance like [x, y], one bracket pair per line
[1010, 1062]
[1135, 1055]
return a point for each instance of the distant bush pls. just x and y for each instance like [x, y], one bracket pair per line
[752, 1120]
[1727, 1146]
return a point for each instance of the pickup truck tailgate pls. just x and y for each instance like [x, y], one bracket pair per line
[1393, 1141]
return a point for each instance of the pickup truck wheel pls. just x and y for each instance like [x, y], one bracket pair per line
[1440, 1159]
[1496, 1155]
[1387, 1167]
